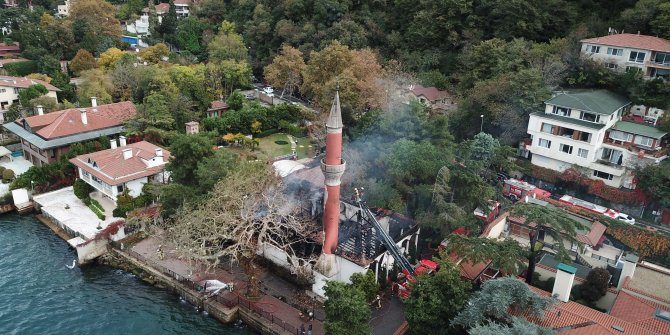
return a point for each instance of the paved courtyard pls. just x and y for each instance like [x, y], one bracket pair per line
[18, 164]
[65, 208]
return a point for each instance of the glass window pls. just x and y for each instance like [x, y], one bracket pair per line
[611, 66]
[590, 117]
[620, 136]
[662, 58]
[582, 153]
[544, 143]
[547, 128]
[566, 148]
[593, 49]
[636, 57]
[644, 141]
[562, 111]
[585, 137]
[602, 175]
[614, 51]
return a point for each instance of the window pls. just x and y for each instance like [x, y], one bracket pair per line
[620, 136]
[86, 174]
[662, 58]
[562, 111]
[636, 57]
[3, 90]
[583, 153]
[591, 117]
[593, 49]
[602, 175]
[585, 137]
[611, 66]
[544, 143]
[615, 51]
[566, 148]
[119, 188]
[644, 141]
[547, 128]
[16, 90]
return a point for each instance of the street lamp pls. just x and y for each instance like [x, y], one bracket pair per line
[481, 125]
[32, 187]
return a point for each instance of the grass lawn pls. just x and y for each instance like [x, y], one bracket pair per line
[278, 144]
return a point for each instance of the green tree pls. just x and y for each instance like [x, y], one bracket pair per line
[236, 101]
[82, 189]
[155, 53]
[506, 255]
[655, 181]
[436, 299]
[489, 308]
[213, 168]
[174, 195]
[155, 112]
[62, 81]
[169, 23]
[366, 283]
[227, 45]
[286, 69]
[32, 92]
[595, 285]
[189, 35]
[555, 223]
[187, 152]
[347, 312]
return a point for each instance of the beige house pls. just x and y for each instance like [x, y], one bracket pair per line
[630, 52]
[11, 86]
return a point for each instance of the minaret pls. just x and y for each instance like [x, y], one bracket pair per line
[333, 167]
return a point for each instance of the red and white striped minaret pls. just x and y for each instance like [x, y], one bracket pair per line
[333, 167]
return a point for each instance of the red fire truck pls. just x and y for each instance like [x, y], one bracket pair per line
[516, 189]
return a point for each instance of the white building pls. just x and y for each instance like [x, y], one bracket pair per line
[140, 26]
[585, 129]
[127, 167]
[627, 52]
[64, 10]
[11, 86]
[182, 7]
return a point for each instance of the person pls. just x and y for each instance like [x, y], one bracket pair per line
[309, 330]
[302, 329]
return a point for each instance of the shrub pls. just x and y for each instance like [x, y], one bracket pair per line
[595, 286]
[21, 69]
[7, 175]
[82, 189]
[2, 169]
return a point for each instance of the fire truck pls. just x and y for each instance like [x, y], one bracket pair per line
[516, 189]
[409, 272]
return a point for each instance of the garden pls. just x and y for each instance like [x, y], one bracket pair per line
[279, 144]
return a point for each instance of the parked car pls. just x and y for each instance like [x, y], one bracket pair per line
[625, 218]
[268, 90]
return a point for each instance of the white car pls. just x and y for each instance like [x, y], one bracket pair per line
[625, 218]
[268, 90]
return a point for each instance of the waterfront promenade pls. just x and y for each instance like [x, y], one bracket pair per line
[271, 306]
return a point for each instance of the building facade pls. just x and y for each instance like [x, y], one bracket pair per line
[126, 167]
[585, 129]
[46, 137]
[630, 52]
[11, 86]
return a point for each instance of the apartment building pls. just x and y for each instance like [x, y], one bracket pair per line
[586, 129]
[630, 52]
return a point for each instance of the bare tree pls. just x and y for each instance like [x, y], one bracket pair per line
[246, 213]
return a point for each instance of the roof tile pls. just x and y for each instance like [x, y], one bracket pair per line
[632, 41]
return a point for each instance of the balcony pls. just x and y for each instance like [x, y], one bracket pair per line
[657, 152]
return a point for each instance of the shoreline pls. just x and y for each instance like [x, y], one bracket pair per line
[120, 259]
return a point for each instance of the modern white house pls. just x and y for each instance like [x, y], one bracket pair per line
[630, 52]
[11, 86]
[140, 26]
[586, 129]
[126, 167]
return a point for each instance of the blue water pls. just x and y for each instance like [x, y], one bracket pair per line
[130, 40]
[40, 295]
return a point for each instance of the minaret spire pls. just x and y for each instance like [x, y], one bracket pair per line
[333, 167]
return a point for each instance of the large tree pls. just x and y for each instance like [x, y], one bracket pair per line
[347, 312]
[500, 306]
[82, 61]
[553, 222]
[246, 212]
[187, 152]
[227, 45]
[286, 69]
[98, 16]
[436, 299]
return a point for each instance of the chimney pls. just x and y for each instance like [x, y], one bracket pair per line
[122, 141]
[40, 110]
[84, 119]
[112, 143]
[629, 265]
[127, 153]
[565, 276]
[94, 102]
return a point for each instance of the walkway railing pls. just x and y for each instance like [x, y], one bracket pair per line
[228, 300]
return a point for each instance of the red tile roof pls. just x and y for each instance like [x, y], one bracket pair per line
[23, 82]
[113, 169]
[218, 104]
[641, 312]
[69, 121]
[431, 93]
[182, 2]
[594, 235]
[632, 41]
[582, 320]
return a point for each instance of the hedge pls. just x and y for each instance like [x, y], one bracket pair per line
[21, 69]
